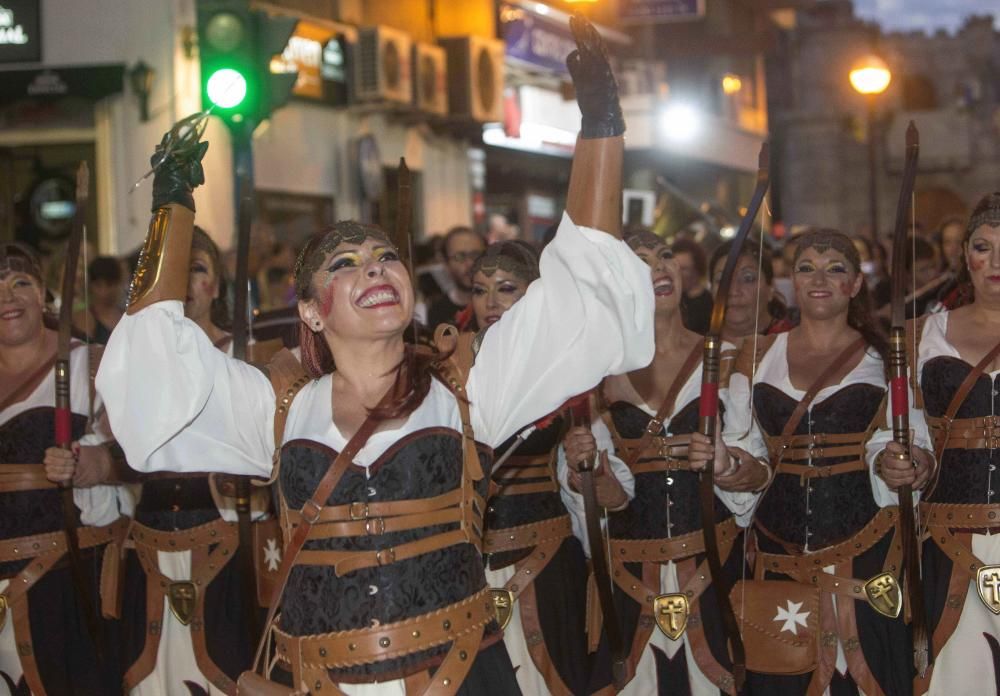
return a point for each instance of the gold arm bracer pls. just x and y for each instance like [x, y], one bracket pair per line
[162, 272]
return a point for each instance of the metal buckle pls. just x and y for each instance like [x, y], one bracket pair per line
[375, 526]
[671, 612]
[988, 587]
[363, 514]
[390, 554]
[883, 595]
[3, 610]
[311, 511]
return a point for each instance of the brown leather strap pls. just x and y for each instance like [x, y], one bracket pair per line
[361, 646]
[23, 477]
[643, 594]
[529, 568]
[207, 534]
[24, 388]
[951, 612]
[959, 516]
[806, 472]
[805, 565]
[847, 628]
[344, 562]
[672, 549]
[54, 543]
[527, 535]
[531, 626]
[700, 651]
[655, 425]
[21, 620]
[961, 393]
[847, 354]
[390, 508]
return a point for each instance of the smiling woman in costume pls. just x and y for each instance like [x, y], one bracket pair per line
[812, 400]
[529, 546]
[656, 545]
[379, 451]
[46, 646]
[958, 372]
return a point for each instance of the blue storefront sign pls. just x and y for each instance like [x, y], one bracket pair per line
[634, 11]
[535, 40]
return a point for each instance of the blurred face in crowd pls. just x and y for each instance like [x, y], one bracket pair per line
[22, 301]
[105, 293]
[361, 291]
[742, 304]
[982, 254]
[460, 254]
[925, 270]
[825, 283]
[203, 286]
[689, 273]
[492, 295]
[665, 273]
[951, 245]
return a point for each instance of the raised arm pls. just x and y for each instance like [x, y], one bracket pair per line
[173, 400]
[590, 313]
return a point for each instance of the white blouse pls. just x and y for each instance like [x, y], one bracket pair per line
[177, 403]
[742, 430]
[99, 504]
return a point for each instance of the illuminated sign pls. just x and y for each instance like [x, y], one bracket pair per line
[641, 11]
[318, 54]
[20, 38]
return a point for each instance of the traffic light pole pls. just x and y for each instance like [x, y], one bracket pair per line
[244, 189]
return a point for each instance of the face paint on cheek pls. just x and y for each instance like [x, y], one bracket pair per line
[326, 299]
[976, 265]
[846, 288]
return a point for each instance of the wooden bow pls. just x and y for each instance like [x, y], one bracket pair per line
[708, 417]
[63, 411]
[899, 392]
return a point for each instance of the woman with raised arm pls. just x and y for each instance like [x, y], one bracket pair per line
[380, 451]
[813, 401]
[957, 377]
[670, 620]
[48, 643]
[534, 564]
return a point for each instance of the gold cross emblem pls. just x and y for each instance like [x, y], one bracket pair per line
[671, 612]
[884, 595]
[183, 597]
[988, 586]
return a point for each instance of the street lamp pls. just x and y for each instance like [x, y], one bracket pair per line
[870, 77]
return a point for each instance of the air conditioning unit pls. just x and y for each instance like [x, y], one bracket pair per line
[475, 77]
[382, 66]
[430, 91]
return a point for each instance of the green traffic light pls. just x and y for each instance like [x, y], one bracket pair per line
[226, 88]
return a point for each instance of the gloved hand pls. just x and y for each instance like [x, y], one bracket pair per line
[177, 164]
[596, 88]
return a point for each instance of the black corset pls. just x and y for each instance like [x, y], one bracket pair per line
[505, 511]
[666, 503]
[965, 475]
[423, 464]
[828, 510]
[171, 504]
[23, 440]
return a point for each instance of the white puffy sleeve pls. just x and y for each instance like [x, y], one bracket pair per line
[740, 429]
[590, 314]
[574, 500]
[177, 403]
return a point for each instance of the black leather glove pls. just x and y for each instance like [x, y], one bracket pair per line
[596, 88]
[177, 165]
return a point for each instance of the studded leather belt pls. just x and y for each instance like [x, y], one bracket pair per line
[527, 535]
[362, 646]
[23, 477]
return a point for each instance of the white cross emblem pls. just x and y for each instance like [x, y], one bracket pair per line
[272, 555]
[791, 617]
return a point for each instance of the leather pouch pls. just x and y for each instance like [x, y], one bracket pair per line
[780, 622]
